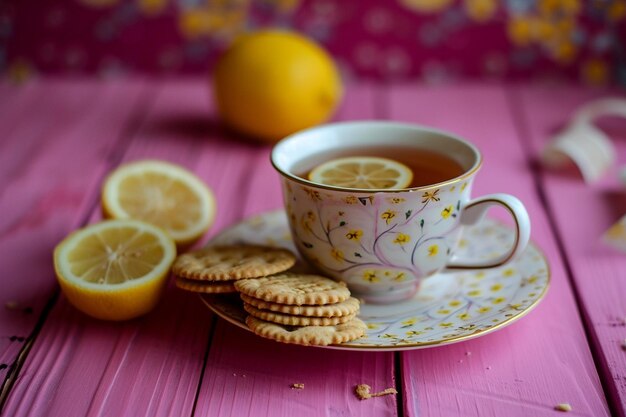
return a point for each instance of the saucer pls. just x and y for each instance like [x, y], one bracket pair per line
[450, 306]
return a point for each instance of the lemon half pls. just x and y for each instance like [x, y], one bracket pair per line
[116, 269]
[163, 194]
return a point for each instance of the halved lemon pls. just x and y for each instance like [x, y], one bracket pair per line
[116, 269]
[364, 172]
[162, 194]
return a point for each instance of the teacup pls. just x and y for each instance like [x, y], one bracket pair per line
[383, 243]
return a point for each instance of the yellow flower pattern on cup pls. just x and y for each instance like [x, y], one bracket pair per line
[450, 307]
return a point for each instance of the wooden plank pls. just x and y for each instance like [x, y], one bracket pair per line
[544, 359]
[582, 214]
[247, 375]
[149, 366]
[46, 193]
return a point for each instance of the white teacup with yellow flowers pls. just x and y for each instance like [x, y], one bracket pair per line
[384, 242]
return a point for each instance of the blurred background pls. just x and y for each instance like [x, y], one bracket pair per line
[431, 41]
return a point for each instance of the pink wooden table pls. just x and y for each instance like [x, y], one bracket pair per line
[59, 138]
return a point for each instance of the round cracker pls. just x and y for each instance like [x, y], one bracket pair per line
[341, 309]
[291, 320]
[295, 289]
[222, 287]
[308, 335]
[226, 263]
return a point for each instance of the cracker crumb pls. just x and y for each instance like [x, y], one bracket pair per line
[488, 368]
[297, 385]
[468, 353]
[565, 407]
[362, 392]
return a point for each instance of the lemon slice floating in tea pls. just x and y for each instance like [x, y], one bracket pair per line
[163, 194]
[116, 269]
[364, 172]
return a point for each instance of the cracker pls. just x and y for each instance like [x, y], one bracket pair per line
[221, 287]
[291, 320]
[308, 335]
[226, 263]
[295, 289]
[341, 309]
[362, 392]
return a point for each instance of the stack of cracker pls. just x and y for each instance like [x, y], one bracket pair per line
[301, 309]
[287, 307]
[215, 269]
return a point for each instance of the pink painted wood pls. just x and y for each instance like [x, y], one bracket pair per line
[543, 360]
[247, 375]
[175, 362]
[152, 365]
[582, 213]
[50, 169]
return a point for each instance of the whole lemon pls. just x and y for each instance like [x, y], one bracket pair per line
[271, 83]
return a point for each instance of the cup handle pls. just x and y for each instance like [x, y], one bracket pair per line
[475, 211]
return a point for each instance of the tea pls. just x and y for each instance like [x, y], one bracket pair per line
[428, 167]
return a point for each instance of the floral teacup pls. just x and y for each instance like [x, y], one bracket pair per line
[383, 243]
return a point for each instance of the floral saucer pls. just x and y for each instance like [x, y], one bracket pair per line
[450, 306]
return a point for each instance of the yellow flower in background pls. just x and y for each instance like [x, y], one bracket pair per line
[351, 199]
[354, 234]
[426, 6]
[402, 239]
[559, 7]
[433, 250]
[454, 303]
[484, 309]
[283, 6]
[151, 7]
[564, 52]
[499, 300]
[20, 71]
[616, 11]
[215, 17]
[544, 30]
[520, 30]
[595, 72]
[480, 10]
